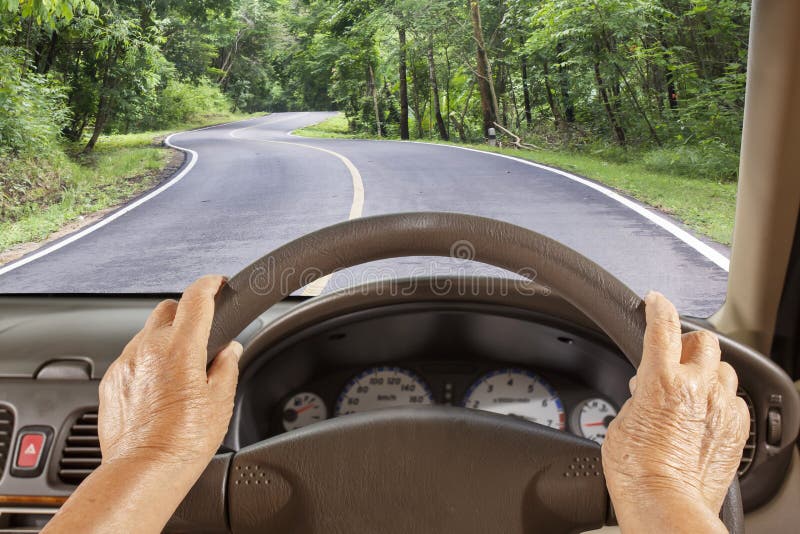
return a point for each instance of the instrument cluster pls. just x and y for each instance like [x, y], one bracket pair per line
[513, 391]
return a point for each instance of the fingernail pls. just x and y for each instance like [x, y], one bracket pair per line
[237, 349]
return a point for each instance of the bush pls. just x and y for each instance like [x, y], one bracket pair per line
[710, 159]
[181, 102]
[32, 108]
[32, 113]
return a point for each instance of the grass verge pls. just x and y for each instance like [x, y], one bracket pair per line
[62, 190]
[705, 205]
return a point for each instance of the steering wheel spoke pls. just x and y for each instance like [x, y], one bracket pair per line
[410, 470]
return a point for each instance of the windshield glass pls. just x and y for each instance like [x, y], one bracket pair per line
[145, 143]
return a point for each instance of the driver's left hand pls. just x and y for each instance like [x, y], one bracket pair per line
[157, 402]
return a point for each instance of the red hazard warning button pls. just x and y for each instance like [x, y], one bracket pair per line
[30, 450]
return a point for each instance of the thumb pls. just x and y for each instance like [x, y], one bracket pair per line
[224, 372]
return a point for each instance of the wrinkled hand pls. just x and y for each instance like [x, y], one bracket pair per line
[676, 443]
[157, 403]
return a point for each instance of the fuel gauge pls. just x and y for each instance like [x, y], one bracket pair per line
[303, 409]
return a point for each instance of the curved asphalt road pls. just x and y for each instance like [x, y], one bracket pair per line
[254, 187]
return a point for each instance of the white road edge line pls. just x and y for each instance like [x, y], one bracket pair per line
[704, 249]
[714, 256]
[122, 211]
[356, 209]
[111, 218]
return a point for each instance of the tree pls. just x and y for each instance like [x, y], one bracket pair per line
[403, 78]
[483, 71]
[437, 110]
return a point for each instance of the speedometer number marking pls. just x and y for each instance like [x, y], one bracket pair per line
[383, 387]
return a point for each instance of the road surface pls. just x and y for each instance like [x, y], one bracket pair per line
[254, 187]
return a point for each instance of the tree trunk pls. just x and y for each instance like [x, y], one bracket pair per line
[375, 101]
[502, 90]
[636, 104]
[227, 62]
[607, 41]
[404, 134]
[100, 120]
[51, 53]
[437, 110]
[447, 86]
[551, 101]
[563, 86]
[612, 119]
[418, 112]
[105, 104]
[462, 131]
[484, 73]
[526, 93]
[462, 134]
[513, 93]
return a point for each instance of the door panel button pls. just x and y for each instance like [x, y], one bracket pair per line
[31, 450]
[774, 427]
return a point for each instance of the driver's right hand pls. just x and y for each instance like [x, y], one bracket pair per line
[677, 442]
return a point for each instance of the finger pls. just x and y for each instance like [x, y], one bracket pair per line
[224, 372]
[196, 309]
[701, 350]
[743, 418]
[162, 315]
[632, 385]
[662, 336]
[727, 378]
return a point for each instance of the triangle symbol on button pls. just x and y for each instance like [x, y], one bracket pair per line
[30, 449]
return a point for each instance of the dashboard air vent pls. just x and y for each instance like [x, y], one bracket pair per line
[6, 429]
[749, 447]
[81, 454]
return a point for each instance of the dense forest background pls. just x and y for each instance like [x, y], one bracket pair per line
[663, 79]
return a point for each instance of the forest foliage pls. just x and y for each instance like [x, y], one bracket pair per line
[662, 78]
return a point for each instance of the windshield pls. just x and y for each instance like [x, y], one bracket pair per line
[145, 143]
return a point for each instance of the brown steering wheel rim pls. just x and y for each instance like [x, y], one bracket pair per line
[603, 298]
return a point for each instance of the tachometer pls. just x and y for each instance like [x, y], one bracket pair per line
[591, 418]
[383, 387]
[517, 392]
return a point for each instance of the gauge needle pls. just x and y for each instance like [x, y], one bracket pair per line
[600, 423]
[306, 407]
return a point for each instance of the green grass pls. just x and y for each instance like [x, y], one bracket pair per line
[705, 205]
[60, 189]
[334, 128]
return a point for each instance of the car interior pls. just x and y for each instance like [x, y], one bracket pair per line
[307, 450]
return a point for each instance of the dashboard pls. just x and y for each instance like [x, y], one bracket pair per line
[477, 357]
[548, 399]
[306, 362]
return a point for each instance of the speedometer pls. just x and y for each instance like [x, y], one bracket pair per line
[517, 392]
[383, 387]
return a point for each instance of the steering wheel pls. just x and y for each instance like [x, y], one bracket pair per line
[431, 469]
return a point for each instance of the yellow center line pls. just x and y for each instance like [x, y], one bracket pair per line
[356, 209]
